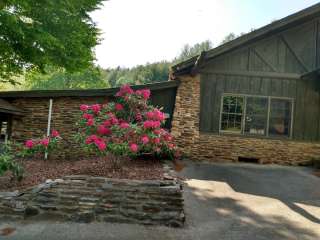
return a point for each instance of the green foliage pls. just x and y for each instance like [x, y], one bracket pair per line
[57, 78]
[154, 72]
[35, 34]
[191, 51]
[8, 163]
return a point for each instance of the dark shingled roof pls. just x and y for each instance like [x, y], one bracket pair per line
[190, 65]
[83, 93]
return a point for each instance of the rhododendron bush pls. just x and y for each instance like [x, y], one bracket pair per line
[129, 126]
[42, 145]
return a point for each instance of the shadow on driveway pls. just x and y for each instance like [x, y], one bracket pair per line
[253, 201]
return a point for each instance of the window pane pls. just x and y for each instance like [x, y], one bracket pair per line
[256, 116]
[232, 112]
[280, 117]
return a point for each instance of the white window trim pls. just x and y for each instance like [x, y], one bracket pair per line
[245, 96]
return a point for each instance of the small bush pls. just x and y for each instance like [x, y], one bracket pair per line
[44, 145]
[8, 162]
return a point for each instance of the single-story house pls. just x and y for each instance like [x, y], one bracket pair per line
[26, 114]
[256, 98]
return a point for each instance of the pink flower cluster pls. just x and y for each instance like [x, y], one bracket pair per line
[156, 114]
[126, 90]
[95, 108]
[151, 124]
[99, 142]
[32, 143]
[145, 93]
[129, 126]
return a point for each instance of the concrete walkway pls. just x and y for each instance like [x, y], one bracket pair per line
[223, 201]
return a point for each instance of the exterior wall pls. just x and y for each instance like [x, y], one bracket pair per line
[214, 147]
[65, 112]
[304, 93]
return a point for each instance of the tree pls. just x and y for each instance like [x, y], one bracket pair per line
[228, 38]
[191, 51]
[57, 78]
[35, 34]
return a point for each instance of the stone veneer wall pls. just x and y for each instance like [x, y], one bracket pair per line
[87, 199]
[65, 112]
[215, 147]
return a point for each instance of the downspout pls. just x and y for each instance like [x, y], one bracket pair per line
[49, 125]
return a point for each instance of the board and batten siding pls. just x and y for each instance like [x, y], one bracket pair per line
[305, 95]
[293, 50]
[269, 66]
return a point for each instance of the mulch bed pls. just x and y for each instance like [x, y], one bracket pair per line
[38, 171]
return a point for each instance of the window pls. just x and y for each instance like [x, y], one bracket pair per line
[232, 113]
[280, 117]
[256, 115]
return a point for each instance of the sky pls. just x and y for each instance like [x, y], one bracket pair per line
[136, 32]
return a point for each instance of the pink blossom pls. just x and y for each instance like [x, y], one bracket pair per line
[149, 115]
[91, 138]
[168, 137]
[133, 147]
[145, 93]
[55, 133]
[138, 117]
[124, 125]
[107, 123]
[151, 124]
[156, 140]
[84, 107]
[114, 121]
[156, 131]
[96, 108]
[158, 115]
[100, 144]
[125, 89]
[90, 122]
[87, 116]
[118, 107]
[29, 143]
[45, 142]
[145, 139]
[171, 145]
[103, 130]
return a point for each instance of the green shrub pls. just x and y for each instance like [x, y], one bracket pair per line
[8, 162]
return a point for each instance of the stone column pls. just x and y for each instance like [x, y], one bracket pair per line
[185, 124]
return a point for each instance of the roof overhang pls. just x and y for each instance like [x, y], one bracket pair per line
[84, 93]
[8, 108]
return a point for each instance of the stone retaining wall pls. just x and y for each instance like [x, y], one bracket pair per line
[87, 199]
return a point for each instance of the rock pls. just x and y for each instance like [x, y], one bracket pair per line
[83, 217]
[31, 211]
